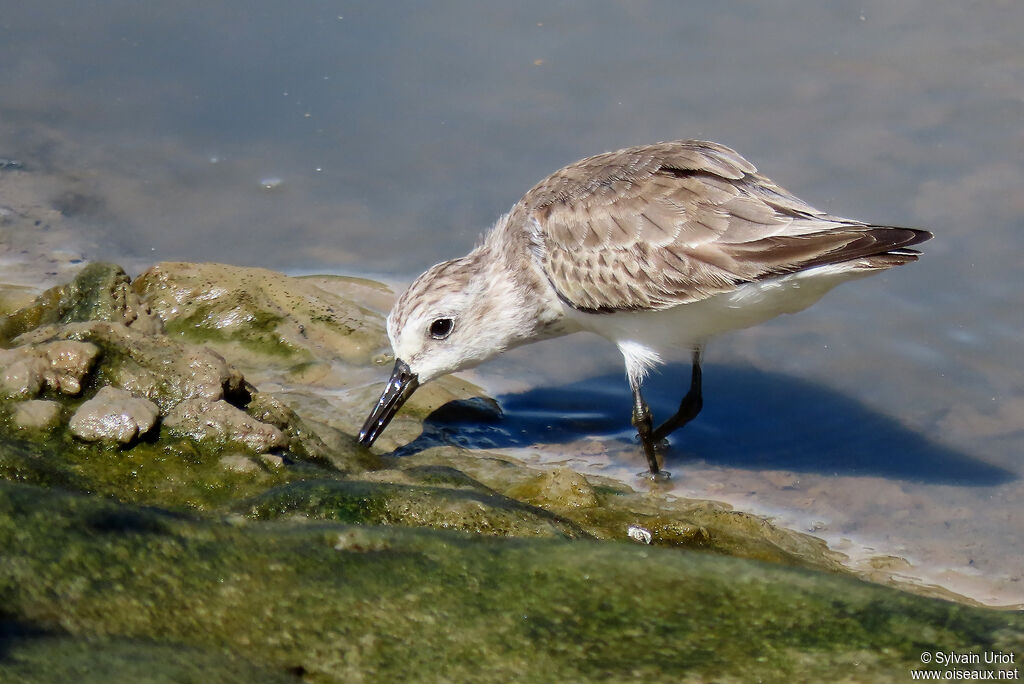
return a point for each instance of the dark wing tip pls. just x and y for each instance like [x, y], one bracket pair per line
[876, 241]
[910, 236]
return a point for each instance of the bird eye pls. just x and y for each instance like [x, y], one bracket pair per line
[441, 328]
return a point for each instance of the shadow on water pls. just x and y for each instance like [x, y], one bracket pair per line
[752, 419]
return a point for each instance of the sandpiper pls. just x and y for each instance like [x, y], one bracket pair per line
[656, 248]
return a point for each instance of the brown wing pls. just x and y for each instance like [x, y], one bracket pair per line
[659, 225]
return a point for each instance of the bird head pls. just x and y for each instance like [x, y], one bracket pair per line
[455, 316]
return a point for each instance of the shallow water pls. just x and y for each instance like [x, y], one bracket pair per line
[378, 139]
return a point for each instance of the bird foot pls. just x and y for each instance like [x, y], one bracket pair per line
[660, 476]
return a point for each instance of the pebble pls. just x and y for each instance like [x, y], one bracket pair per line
[113, 415]
[220, 421]
[36, 414]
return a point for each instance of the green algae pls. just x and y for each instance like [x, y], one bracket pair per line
[342, 603]
[88, 296]
[172, 473]
[279, 319]
[607, 510]
[257, 332]
[59, 659]
[21, 461]
[383, 503]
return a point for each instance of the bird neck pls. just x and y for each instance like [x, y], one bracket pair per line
[514, 276]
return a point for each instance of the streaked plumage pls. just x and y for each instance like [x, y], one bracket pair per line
[656, 247]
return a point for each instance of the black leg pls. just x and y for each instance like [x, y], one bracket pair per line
[642, 423]
[689, 407]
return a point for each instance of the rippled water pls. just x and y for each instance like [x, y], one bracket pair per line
[380, 138]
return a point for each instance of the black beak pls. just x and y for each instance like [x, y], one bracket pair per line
[400, 387]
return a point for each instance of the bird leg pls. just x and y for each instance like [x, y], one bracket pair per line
[689, 407]
[642, 423]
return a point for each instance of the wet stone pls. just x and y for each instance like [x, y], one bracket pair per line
[283, 319]
[343, 603]
[113, 415]
[302, 439]
[239, 463]
[381, 503]
[278, 502]
[27, 370]
[36, 414]
[562, 488]
[21, 373]
[151, 366]
[68, 363]
[100, 292]
[272, 460]
[220, 423]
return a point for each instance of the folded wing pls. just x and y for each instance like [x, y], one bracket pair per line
[655, 226]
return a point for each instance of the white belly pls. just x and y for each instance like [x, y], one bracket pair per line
[645, 337]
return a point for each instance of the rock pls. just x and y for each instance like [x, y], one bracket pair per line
[21, 373]
[14, 297]
[100, 292]
[303, 439]
[240, 463]
[113, 415]
[680, 523]
[291, 319]
[68, 363]
[891, 563]
[331, 602]
[221, 424]
[382, 503]
[58, 366]
[287, 455]
[300, 336]
[557, 489]
[64, 659]
[164, 371]
[272, 460]
[36, 414]
[20, 462]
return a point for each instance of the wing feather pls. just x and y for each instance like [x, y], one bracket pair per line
[655, 226]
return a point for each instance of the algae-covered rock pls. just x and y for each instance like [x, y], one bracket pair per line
[14, 297]
[221, 440]
[275, 546]
[382, 503]
[113, 415]
[21, 461]
[155, 367]
[36, 414]
[129, 381]
[316, 443]
[239, 462]
[100, 292]
[259, 310]
[560, 488]
[222, 424]
[58, 366]
[21, 373]
[338, 603]
[608, 510]
[119, 380]
[56, 657]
